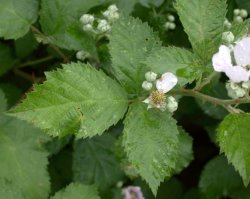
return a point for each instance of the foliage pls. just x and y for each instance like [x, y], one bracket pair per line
[101, 98]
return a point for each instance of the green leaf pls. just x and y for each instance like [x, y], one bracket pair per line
[12, 93]
[240, 30]
[175, 60]
[185, 155]
[219, 169]
[151, 143]
[6, 59]
[94, 162]
[16, 17]
[203, 22]
[77, 99]
[60, 22]
[3, 102]
[234, 140]
[77, 191]
[23, 172]
[26, 45]
[131, 41]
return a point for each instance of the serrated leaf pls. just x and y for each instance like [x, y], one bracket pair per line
[21, 14]
[23, 172]
[240, 29]
[60, 22]
[151, 143]
[131, 41]
[77, 191]
[203, 22]
[6, 59]
[185, 155]
[234, 140]
[94, 162]
[219, 169]
[175, 60]
[77, 99]
[3, 101]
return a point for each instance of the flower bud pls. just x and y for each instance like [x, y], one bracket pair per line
[172, 104]
[238, 19]
[243, 13]
[81, 55]
[147, 85]
[150, 76]
[246, 85]
[227, 37]
[171, 18]
[87, 19]
[87, 27]
[236, 12]
[234, 90]
[172, 26]
[166, 25]
[103, 26]
[113, 8]
[227, 24]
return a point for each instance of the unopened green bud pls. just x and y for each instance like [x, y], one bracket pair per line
[87, 27]
[147, 85]
[234, 90]
[171, 18]
[243, 13]
[236, 12]
[172, 104]
[87, 19]
[150, 76]
[238, 19]
[227, 24]
[227, 37]
[246, 85]
[172, 26]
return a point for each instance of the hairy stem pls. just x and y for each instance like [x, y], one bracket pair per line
[65, 58]
[35, 62]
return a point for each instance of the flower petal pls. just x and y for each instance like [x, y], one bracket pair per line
[237, 74]
[242, 52]
[222, 59]
[166, 82]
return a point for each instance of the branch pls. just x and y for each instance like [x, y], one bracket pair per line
[214, 100]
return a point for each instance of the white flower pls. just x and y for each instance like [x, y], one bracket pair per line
[166, 82]
[132, 192]
[172, 104]
[157, 98]
[222, 61]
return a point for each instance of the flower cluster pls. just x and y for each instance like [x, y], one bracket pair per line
[170, 25]
[132, 192]
[239, 16]
[100, 26]
[158, 88]
[234, 61]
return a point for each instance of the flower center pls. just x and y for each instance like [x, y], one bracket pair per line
[157, 97]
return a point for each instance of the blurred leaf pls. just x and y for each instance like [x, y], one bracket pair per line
[77, 191]
[244, 4]
[149, 3]
[3, 102]
[94, 162]
[77, 99]
[23, 160]
[151, 143]
[16, 17]
[219, 179]
[6, 59]
[203, 22]
[12, 93]
[185, 155]
[128, 35]
[60, 22]
[234, 139]
[25, 45]
[176, 60]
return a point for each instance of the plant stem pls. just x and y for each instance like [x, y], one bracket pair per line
[65, 58]
[204, 97]
[207, 81]
[34, 62]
